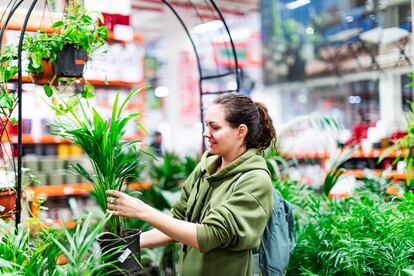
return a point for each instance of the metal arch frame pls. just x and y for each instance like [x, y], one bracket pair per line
[20, 80]
[19, 98]
[200, 73]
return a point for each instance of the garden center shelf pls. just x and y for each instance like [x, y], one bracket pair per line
[81, 189]
[32, 28]
[373, 153]
[394, 175]
[112, 83]
[51, 139]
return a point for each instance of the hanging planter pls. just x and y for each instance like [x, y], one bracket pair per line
[73, 40]
[127, 261]
[7, 203]
[47, 76]
[70, 62]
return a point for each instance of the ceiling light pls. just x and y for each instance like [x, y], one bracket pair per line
[161, 91]
[296, 4]
[209, 26]
[310, 31]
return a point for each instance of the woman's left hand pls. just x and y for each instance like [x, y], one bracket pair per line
[121, 204]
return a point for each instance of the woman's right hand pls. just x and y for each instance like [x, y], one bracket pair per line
[121, 204]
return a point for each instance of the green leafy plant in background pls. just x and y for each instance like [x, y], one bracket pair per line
[102, 140]
[167, 176]
[361, 235]
[19, 255]
[24, 254]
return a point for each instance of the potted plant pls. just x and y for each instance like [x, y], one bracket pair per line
[102, 140]
[64, 52]
[7, 193]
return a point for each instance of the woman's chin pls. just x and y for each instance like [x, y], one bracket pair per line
[211, 150]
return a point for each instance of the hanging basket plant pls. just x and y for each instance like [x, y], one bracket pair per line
[68, 47]
[47, 76]
[70, 62]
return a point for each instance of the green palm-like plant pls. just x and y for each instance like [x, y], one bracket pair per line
[102, 141]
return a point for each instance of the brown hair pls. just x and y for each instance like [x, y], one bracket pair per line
[240, 109]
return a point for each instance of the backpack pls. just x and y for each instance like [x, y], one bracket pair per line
[278, 239]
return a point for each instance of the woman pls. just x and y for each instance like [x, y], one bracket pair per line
[225, 202]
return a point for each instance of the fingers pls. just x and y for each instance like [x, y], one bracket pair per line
[112, 200]
[115, 193]
[113, 212]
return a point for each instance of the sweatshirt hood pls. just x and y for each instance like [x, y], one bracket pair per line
[246, 162]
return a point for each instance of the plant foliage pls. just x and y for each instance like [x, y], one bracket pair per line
[102, 140]
[362, 235]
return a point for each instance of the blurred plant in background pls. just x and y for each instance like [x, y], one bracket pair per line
[360, 235]
[167, 175]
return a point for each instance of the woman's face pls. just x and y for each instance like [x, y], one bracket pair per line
[221, 137]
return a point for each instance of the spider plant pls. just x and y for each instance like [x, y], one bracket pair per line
[79, 248]
[20, 255]
[102, 140]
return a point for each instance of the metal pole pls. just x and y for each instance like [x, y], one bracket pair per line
[19, 97]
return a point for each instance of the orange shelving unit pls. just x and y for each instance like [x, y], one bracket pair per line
[394, 175]
[34, 28]
[56, 140]
[81, 189]
[115, 83]
[359, 154]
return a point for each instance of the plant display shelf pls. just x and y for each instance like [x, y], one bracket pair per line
[394, 175]
[373, 153]
[33, 28]
[113, 83]
[81, 189]
[53, 140]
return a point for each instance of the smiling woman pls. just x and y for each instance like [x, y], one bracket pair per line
[218, 222]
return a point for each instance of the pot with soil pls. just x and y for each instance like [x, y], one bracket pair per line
[70, 62]
[7, 203]
[47, 76]
[123, 253]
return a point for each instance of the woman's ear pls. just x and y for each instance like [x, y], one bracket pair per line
[242, 130]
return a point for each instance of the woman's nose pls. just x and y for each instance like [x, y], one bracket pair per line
[206, 133]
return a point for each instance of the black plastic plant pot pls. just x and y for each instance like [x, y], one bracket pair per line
[70, 62]
[123, 253]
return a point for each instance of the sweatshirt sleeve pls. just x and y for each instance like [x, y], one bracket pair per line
[179, 208]
[239, 222]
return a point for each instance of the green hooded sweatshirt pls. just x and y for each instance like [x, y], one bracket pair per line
[233, 217]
